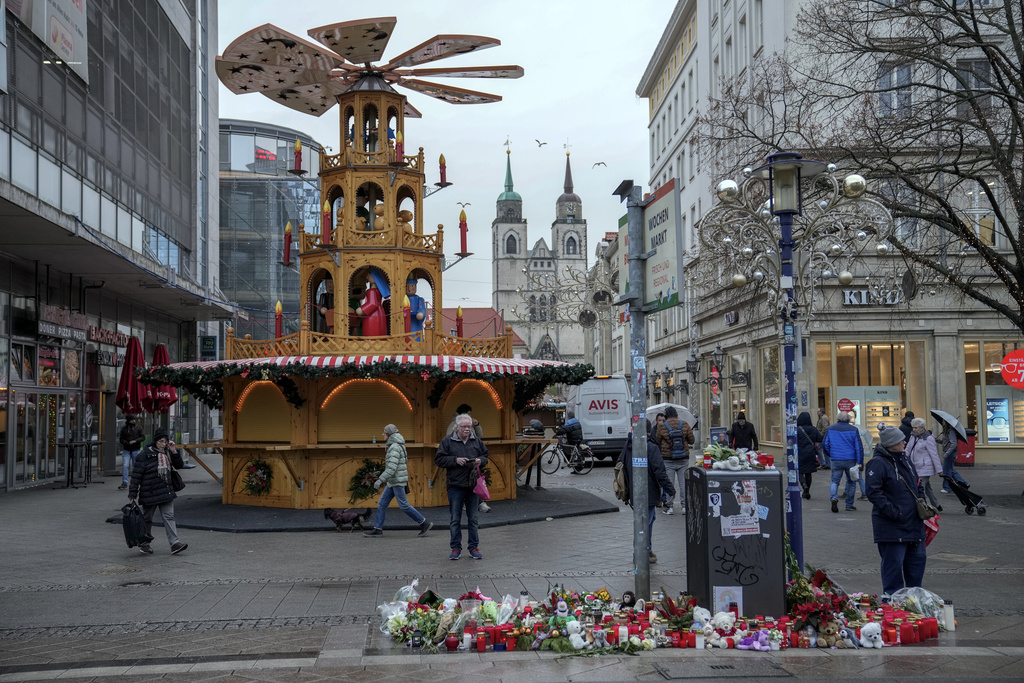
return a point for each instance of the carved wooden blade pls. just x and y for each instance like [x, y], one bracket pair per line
[449, 93]
[440, 47]
[467, 72]
[360, 41]
[411, 112]
[269, 45]
[312, 99]
[244, 77]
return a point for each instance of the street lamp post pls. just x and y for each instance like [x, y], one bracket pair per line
[740, 232]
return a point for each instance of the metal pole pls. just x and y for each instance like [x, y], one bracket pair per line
[794, 512]
[638, 355]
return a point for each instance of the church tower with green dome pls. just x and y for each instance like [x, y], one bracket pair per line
[508, 250]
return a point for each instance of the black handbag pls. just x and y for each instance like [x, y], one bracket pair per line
[134, 525]
[177, 483]
[925, 510]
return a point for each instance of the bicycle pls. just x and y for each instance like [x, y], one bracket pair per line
[580, 458]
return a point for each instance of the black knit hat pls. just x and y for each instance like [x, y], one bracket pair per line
[160, 433]
[741, 416]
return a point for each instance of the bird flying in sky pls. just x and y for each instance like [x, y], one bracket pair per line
[599, 163]
[539, 143]
[463, 204]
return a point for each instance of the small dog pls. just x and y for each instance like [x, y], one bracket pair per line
[351, 517]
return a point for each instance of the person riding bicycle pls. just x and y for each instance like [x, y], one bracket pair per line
[572, 430]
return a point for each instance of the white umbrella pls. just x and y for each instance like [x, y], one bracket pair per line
[684, 413]
[942, 415]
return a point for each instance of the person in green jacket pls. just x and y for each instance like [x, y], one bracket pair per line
[394, 479]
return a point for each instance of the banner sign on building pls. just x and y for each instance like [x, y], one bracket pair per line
[61, 25]
[662, 235]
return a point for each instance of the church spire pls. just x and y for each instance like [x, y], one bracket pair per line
[568, 175]
[509, 193]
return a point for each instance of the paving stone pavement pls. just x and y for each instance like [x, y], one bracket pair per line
[286, 606]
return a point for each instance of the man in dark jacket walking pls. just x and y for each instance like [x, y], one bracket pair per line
[131, 445]
[462, 454]
[892, 486]
[843, 446]
[151, 485]
[742, 434]
[906, 425]
[657, 480]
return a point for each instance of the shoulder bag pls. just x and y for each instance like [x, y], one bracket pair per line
[481, 485]
[924, 508]
[817, 446]
[177, 483]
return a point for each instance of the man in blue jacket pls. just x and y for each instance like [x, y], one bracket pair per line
[657, 481]
[843, 446]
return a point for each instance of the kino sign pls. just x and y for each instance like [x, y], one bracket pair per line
[864, 297]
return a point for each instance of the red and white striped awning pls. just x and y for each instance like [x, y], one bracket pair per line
[505, 366]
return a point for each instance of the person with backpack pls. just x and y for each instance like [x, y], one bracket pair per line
[657, 479]
[674, 438]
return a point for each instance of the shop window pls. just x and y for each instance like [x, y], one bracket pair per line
[771, 383]
[1002, 421]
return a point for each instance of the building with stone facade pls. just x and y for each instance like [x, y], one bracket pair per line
[526, 279]
[887, 342]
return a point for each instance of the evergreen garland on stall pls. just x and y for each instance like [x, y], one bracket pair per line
[205, 383]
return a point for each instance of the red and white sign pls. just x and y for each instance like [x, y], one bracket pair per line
[1013, 369]
[845, 404]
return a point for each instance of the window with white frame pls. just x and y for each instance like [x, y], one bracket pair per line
[757, 22]
[976, 209]
[894, 93]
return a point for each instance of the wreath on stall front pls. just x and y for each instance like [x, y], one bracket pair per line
[258, 476]
[361, 483]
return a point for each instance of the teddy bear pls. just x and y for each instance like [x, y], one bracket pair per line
[828, 634]
[731, 463]
[849, 637]
[600, 637]
[575, 632]
[755, 641]
[871, 635]
[701, 617]
[723, 626]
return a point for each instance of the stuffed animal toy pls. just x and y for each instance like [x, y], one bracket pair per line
[723, 626]
[849, 637]
[732, 463]
[755, 641]
[628, 600]
[828, 635]
[574, 629]
[701, 617]
[541, 637]
[871, 635]
[600, 638]
[351, 517]
[562, 616]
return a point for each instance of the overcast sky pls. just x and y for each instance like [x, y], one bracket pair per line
[583, 60]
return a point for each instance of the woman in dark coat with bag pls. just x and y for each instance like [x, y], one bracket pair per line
[151, 486]
[807, 439]
[893, 489]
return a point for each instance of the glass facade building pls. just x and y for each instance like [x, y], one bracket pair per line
[107, 233]
[259, 197]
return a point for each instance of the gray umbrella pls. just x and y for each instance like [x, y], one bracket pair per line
[943, 416]
[684, 413]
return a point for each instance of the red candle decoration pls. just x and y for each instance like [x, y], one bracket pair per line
[287, 244]
[458, 322]
[278, 320]
[400, 146]
[407, 313]
[325, 224]
[481, 641]
[444, 171]
[298, 154]
[464, 230]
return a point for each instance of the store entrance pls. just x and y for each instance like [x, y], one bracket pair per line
[43, 422]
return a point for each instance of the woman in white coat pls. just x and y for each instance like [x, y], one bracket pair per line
[924, 453]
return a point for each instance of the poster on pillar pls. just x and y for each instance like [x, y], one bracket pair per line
[662, 235]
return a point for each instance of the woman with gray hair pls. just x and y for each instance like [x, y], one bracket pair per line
[395, 477]
[924, 453]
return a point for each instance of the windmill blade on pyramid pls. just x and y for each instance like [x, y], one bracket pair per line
[449, 93]
[440, 47]
[308, 77]
[466, 72]
[361, 41]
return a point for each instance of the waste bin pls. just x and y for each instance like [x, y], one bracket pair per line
[735, 548]
[965, 451]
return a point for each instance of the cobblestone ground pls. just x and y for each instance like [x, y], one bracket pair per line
[75, 603]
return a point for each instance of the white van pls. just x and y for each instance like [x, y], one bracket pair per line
[601, 404]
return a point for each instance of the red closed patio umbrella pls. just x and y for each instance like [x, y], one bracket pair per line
[161, 396]
[130, 392]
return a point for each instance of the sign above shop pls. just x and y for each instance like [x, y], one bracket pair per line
[105, 336]
[48, 329]
[865, 297]
[63, 316]
[110, 358]
[845, 404]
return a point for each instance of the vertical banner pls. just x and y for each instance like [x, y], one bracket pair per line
[61, 25]
[662, 236]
